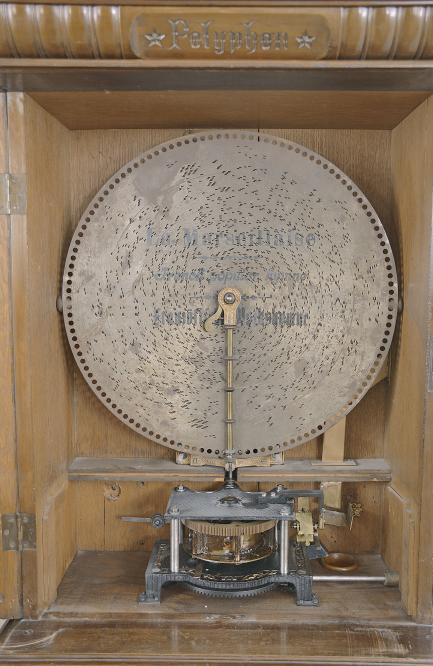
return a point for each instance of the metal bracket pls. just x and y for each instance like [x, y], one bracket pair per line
[13, 194]
[334, 463]
[18, 531]
[200, 460]
[340, 518]
[156, 520]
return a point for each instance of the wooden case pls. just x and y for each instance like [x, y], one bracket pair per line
[67, 464]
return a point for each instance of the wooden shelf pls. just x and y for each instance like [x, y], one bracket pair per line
[364, 469]
[139, 469]
[143, 469]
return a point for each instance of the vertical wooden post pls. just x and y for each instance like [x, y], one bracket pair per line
[333, 453]
[10, 561]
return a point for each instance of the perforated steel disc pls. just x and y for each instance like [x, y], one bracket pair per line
[209, 210]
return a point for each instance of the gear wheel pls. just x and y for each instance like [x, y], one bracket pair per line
[232, 594]
[233, 528]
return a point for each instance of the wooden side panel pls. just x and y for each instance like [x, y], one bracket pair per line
[409, 433]
[57, 535]
[10, 561]
[39, 149]
[400, 541]
[20, 305]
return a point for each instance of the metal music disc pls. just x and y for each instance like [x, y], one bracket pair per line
[282, 224]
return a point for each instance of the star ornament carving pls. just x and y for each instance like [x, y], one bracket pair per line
[155, 38]
[305, 41]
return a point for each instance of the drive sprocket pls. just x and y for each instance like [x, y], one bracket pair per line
[232, 594]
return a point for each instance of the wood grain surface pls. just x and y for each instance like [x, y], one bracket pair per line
[10, 561]
[347, 109]
[409, 433]
[38, 147]
[118, 31]
[356, 625]
[106, 585]
[59, 420]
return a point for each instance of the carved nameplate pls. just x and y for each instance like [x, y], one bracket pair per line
[231, 33]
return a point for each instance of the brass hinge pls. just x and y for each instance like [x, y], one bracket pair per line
[13, 194]
[18, 531]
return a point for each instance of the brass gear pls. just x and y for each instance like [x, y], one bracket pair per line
[241, 528]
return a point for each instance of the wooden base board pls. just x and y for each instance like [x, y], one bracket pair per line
[101, 585]
[95, 619]
[49, 642]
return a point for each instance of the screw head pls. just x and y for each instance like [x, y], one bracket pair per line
[229, 298]
[157, 520]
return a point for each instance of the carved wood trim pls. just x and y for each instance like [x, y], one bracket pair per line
[121, 32]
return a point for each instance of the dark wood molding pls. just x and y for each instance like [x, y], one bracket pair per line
[35, 75]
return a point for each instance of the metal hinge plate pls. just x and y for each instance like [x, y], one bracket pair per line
[18, 531]
[13, 194]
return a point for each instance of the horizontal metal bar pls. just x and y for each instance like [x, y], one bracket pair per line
[390, 580]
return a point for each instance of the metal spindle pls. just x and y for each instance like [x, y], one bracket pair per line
[174, 545]
[284, 547]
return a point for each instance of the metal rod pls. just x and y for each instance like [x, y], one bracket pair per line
[342, 578]
[229, 397]
[174, 545]
[229, 388]
[284, 546]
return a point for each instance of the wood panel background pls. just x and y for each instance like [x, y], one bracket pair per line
[95, 156]
[59, 418]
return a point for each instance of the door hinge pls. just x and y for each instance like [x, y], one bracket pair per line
[13, 194]
[18, 531]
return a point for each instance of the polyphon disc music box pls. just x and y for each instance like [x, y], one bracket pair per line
[217, 357]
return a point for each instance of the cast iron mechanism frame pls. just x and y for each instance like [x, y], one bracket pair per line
[289, 565]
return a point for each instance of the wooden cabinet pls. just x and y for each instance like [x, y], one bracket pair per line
[69, 582]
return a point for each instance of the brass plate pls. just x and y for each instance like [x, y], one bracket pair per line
[341, 562]
[277, 221]
[232, 33]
